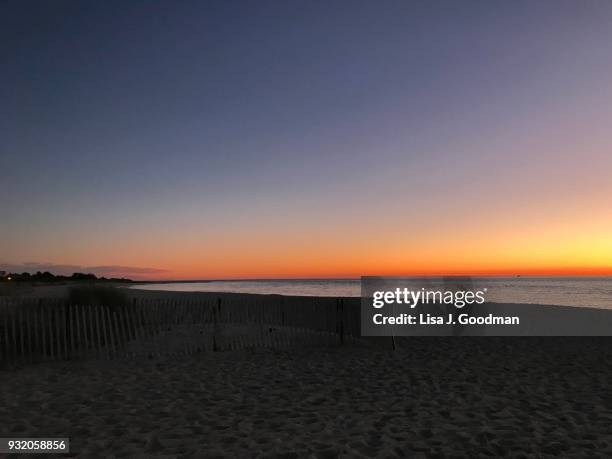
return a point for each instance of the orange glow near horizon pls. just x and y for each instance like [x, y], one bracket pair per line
[568, 241]
[511, 222]
[544, 272]
[514, 242]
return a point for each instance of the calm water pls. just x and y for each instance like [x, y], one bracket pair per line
[568, 291]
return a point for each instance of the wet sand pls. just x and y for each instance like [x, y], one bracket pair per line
[432, 397]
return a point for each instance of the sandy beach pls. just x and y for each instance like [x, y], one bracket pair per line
[432, 397]
[312, 397]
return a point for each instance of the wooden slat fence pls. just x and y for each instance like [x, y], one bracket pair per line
[35, 331]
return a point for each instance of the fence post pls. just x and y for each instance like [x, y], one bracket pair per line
[28, 317]
[118, 335]
[341, 321]
[104, 328]
[78, 320]
[21, 333]
[215, 324]
[35, 338]
[52, 347]
[129, 318]
[282, 305]
[6, 338]
[56, 332]
[65, 329]
[90, 341]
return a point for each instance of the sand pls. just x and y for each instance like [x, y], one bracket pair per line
[438, 397]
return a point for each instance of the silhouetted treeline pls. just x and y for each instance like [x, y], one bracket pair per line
[48, 277]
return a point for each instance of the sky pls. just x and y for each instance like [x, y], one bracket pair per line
[280, 139]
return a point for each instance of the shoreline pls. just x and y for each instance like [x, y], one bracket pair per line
[144, 293]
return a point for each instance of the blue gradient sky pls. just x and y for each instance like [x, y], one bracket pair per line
[272, 139]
